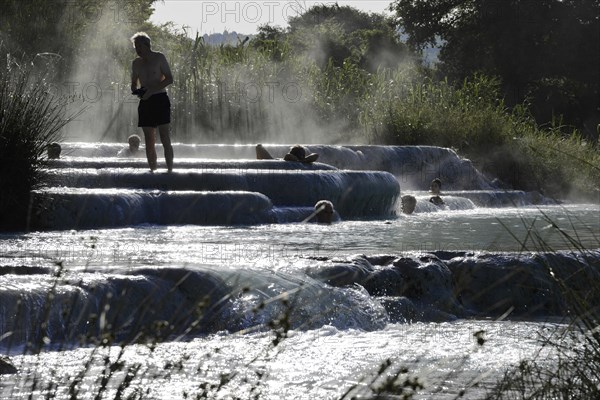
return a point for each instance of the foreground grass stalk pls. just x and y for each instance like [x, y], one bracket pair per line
[576, 371]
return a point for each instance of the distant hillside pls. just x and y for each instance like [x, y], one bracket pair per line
[231, 38]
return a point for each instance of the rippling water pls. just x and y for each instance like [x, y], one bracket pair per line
[317, 363]
[270, 246]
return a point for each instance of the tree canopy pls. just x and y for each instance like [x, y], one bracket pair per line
[29, 27]
[333, 34]
[543, 50]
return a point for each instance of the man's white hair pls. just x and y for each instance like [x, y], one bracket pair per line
[141, 37]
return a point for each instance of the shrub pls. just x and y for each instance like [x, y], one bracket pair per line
[408, 108]
[30, 118]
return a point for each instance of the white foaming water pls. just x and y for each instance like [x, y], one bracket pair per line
[263, 279]
[316, 364]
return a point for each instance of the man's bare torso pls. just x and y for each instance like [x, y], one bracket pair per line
[150, 71]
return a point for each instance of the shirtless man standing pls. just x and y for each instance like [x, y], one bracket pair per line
[150, 71]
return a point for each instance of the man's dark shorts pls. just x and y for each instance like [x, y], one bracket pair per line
[155, 111]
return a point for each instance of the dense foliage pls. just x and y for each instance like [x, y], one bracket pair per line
[334, 34]
[64, 27]
[544, 51]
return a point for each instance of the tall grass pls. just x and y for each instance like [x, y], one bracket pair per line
[409, 108]
[573, 373]
[565, 166]
[575, 370]
[221, 93]
[30, 118]
[237, 93]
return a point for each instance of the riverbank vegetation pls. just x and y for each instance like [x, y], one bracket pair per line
[339, 75]
[574, 370]
[30, 119]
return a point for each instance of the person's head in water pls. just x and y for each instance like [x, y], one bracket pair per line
[141, 43]
[409, 203]
[324, 211]
[436, 186]
[298, 153]
[53, 150]
[134, 143]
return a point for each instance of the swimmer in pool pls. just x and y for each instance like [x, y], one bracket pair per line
[435, 188]
[408, 204]
[133, 148]
[297, 153]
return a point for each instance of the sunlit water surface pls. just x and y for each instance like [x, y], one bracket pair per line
[318, 364]
[271, 246]
[321, 363]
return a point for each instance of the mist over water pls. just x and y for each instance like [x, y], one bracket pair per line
[99, 79]
[221, 94]
[232, 102]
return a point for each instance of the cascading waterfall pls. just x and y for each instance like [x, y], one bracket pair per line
[91, 187]
[357, 292]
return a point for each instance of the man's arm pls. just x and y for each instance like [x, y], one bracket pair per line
[134, 76]
[166, 71]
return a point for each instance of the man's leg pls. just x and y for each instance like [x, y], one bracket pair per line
[150, 137]
[165, 139]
